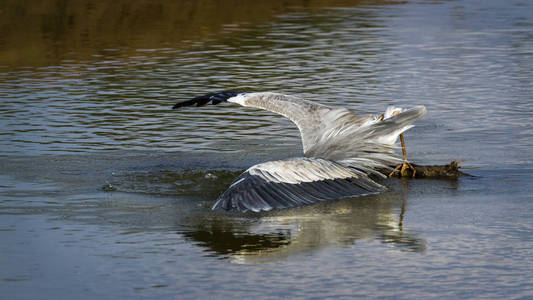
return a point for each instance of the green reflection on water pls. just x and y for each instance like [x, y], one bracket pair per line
[47, 32]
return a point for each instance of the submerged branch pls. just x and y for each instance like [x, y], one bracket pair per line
[450, 170]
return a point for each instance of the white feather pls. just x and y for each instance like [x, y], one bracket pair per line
[300, 170]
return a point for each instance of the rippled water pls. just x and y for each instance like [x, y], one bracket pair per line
[105, 191]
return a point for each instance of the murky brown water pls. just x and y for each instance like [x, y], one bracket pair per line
[105, 191]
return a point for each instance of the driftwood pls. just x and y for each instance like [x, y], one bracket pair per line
[450, 170]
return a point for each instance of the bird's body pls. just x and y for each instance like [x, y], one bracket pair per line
[340, 150]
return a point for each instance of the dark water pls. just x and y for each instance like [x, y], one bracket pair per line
[106, 192]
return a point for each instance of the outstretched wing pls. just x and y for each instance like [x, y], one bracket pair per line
[334, 134]
[311, 118]
[294, 182]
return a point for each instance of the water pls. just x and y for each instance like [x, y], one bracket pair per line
[106, 192]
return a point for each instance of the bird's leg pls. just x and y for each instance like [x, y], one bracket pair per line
[406, 164]
[402, 168]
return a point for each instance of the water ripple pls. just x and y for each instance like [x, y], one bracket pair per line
[474, 81]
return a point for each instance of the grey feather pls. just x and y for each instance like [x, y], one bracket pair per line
[292, 182]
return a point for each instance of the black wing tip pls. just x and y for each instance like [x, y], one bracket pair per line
[182, 104]
[214, 98]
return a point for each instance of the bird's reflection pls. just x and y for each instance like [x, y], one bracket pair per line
[276, 235]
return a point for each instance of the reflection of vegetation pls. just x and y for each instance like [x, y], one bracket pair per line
[52, 30]
[279, 234]
[226, 241]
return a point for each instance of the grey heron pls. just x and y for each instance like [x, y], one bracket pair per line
[340, 151]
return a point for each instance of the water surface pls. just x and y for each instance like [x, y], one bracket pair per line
[106, 192]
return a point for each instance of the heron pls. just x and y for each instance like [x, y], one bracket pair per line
[341, 152]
